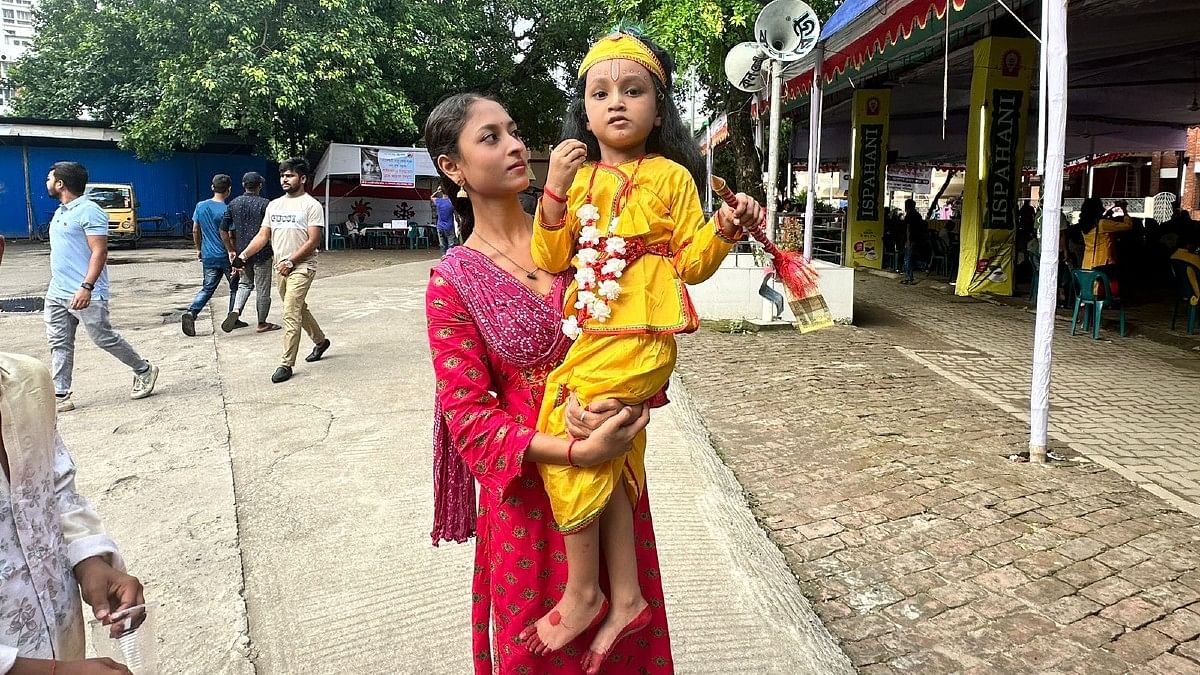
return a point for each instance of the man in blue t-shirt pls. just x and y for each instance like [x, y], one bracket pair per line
[211, 249]
[78, 292]
[443, 208]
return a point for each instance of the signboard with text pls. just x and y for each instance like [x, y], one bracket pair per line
[869, 171]
[384, 167]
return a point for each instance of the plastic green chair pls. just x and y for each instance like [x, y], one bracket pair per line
[418, 237]
[337, 240]
[1086, 297]
[1184, 293]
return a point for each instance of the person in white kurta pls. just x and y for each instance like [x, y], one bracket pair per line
[52, 543]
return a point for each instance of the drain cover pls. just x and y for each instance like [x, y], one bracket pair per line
[22, 305]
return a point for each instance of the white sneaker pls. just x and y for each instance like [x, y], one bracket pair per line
[143, 383]
[64, 403]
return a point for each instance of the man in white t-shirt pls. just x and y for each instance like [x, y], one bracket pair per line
[293, 226]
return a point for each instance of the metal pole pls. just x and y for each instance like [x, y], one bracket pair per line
[815, 112]
[29, 190]
[773, 144]
[773, 161]
[328, 226]
[1054, 13]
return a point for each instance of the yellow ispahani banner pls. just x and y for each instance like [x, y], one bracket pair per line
[999, 122]
[869, 149]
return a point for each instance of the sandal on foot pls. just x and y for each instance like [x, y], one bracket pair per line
[592, 660]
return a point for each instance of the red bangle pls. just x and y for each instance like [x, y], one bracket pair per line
[570, 447]
[550, 193]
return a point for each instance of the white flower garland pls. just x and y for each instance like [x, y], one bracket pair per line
[599, 262]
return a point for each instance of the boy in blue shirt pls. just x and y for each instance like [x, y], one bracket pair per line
[212, 251]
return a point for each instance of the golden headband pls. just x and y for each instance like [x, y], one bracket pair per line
[623, 46]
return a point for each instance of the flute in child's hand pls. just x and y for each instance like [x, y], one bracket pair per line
[721, 188]
[796, 273]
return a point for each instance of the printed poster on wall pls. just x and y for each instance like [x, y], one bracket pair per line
[870, 148]
[384, 167]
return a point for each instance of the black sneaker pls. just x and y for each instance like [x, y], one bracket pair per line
[189, 324]
[240, 324]
[230, 322]
[281, 374]
[318, 351]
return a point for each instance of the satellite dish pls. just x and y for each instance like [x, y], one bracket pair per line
[787, 30]
[744, 67]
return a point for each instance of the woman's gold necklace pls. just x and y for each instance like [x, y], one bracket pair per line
[529, 274]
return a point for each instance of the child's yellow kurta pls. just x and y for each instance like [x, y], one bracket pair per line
[629, 357]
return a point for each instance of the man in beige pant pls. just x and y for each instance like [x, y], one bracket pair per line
[293, 225]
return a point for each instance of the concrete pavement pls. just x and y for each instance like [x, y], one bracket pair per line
[285, 527]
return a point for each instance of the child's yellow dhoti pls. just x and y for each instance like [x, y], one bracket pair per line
[629, 368]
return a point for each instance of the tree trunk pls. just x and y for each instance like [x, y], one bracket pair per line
[940, 192]
[741, 141]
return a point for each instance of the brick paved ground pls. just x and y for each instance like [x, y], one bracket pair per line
[923, 549]
[1128, 401]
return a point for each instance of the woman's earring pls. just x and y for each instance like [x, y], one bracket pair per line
[462, 192]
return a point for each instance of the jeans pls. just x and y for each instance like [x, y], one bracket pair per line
[256, 276]
[446, 240]
[215, 269]
[61, 322]
[293, 289]
[908, 263]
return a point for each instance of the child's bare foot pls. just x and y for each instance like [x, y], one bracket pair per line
[573, 615]
[623, 621]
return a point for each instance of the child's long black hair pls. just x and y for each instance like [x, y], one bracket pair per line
[671, 138]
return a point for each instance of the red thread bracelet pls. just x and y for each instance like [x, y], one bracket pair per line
[570, 447]
[550, 193]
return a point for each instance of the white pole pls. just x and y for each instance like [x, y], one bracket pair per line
[773, 161]
[1054, 14]
[328, 226]
[815, 112]
[708, 165]
[1042, 65]
[773, 143]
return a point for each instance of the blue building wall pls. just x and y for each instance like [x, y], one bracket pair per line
[168, 188]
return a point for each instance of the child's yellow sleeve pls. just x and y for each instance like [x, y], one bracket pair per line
[698, 244]
[554, 243]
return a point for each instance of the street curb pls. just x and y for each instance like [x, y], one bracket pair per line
[772, 584]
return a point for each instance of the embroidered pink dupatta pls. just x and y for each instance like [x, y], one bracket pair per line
[520, 331]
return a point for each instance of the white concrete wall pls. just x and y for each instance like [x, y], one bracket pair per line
[732, 293]
[380, 210]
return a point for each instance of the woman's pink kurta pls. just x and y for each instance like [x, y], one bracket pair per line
[493, 342]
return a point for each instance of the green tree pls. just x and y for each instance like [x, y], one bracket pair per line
[289, 77]
[699, 33]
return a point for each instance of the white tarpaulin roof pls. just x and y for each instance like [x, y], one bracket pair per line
[344, 159]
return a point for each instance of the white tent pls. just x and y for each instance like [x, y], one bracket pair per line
[349, 170]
